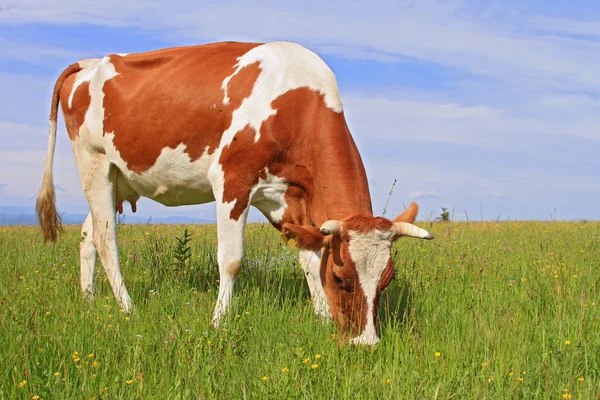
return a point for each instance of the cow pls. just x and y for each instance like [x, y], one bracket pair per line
[239, 124]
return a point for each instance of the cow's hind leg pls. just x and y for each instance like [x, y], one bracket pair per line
[87, 257]
[100, 189]
[310, 262]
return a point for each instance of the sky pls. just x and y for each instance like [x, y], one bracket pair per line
[488, 108]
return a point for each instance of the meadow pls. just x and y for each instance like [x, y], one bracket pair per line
[500, 310]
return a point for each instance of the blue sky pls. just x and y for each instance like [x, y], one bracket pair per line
[487, 108]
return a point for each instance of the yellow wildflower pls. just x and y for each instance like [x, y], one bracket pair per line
[388, 381]
[581, 379]
[318, 356]
[57, 374]
[306, 360]
[567, 342]
[437, 354]
[36, 397]
[264, 378]
[483, 364]
[91, 355]
[22, 383]
[285, 370]
[129, 381]
[314, 366]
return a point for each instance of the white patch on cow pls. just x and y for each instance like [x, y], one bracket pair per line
[370, 253]
[268, 196]
[284, 67]
[94, 118]
[173, 180]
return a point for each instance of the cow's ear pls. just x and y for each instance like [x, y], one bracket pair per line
[409, 215]
[303, 237]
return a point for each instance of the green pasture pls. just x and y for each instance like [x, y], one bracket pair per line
[500, 310]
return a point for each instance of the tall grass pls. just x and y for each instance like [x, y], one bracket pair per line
[486, 310]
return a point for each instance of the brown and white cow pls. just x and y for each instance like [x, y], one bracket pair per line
[240, 124]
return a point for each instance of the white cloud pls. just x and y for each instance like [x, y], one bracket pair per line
[417, 194]
[402, 119]
[353, 53]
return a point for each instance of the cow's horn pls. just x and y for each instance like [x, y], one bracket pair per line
[407, 229]
[331, 227]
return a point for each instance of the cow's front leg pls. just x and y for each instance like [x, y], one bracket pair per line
[310, 262]
[230, 236]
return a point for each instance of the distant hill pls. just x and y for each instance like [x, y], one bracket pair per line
[15, 215]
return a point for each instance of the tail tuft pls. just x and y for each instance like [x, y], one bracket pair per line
[45, 207]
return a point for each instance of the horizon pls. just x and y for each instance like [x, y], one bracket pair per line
[492, 110]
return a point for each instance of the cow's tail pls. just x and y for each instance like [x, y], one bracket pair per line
[45, 205]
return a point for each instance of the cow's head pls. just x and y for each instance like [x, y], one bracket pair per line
[356, 265]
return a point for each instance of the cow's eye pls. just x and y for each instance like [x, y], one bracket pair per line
[344, 283]
[337, 278]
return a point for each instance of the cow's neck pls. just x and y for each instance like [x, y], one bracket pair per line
[332, 179]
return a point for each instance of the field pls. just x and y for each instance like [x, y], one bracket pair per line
[487, 310]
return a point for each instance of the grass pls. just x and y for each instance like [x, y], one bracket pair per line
[486, 310]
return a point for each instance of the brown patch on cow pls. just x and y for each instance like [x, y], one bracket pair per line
[249, 167]
[75, 115]
[234, 268]
[165, 98]
[409, 215]
[240, 86]
[367, 224]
